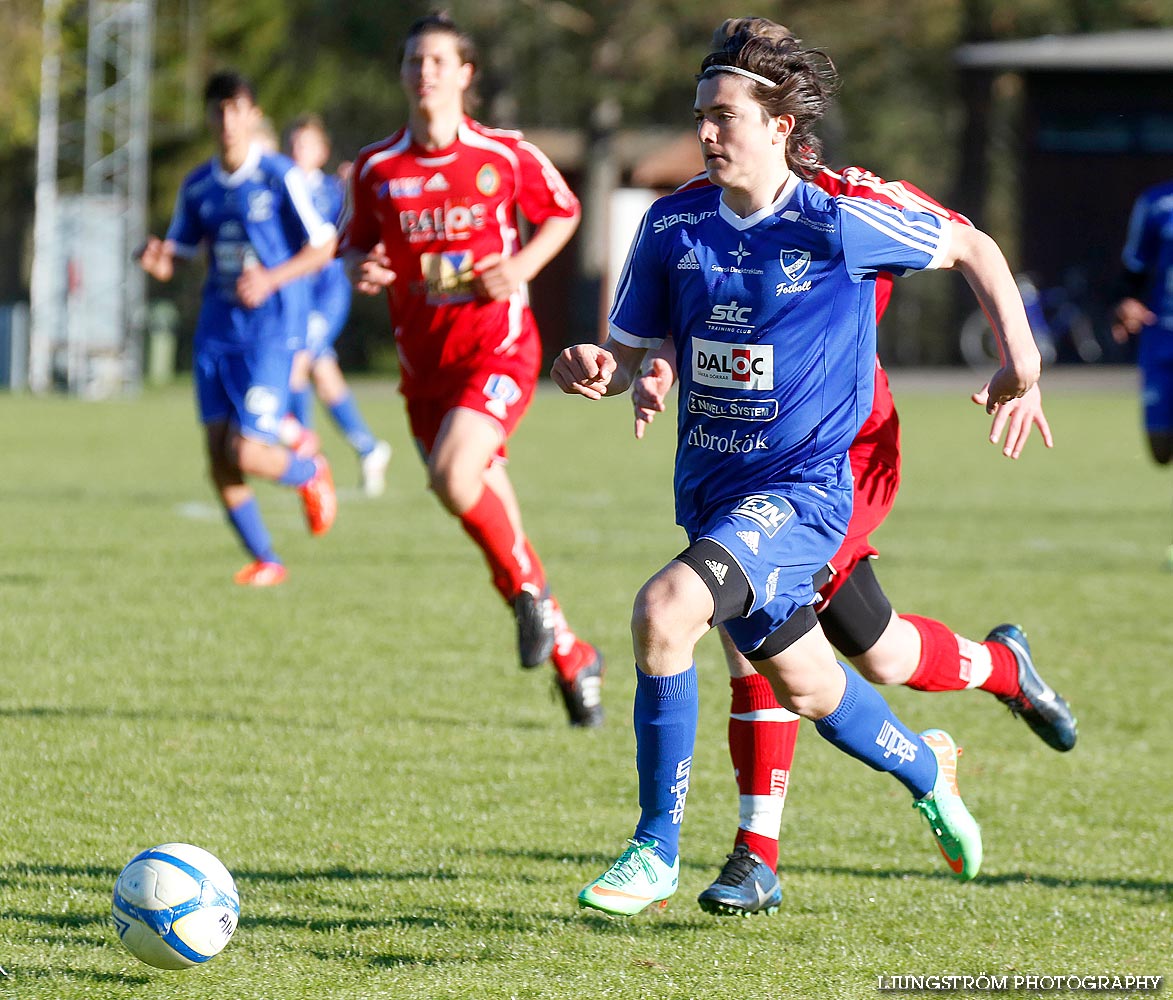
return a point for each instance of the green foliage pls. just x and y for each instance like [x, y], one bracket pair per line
[405, 810]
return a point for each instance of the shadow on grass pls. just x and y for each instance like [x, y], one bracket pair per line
[108, 712]
[17, 975]
[1157, 887]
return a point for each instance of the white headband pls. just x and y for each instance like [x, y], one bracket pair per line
[725, 68]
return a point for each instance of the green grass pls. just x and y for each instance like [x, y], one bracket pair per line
[406, 812]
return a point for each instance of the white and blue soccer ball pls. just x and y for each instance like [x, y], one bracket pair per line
[175, 906]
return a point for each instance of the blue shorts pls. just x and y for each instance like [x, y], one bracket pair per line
[245, 386]
[780, 538]
[328, 314]
[1156, 393]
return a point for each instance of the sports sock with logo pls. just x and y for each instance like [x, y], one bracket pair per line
[761, 745]
[509, 556]
[665, 718]
[299, 471]
[570, 654]
[350, 421]
[866, 728]
[951, 662]
[246, 521]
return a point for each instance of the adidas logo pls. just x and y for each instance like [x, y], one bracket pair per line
[436, 183]
[718, 570]
[688, 262]
[751, 539]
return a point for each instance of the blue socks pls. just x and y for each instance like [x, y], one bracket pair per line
[301, 405]
[864, 727]
[299, 471]
[247, 523]
[665, 717]
[350, 422]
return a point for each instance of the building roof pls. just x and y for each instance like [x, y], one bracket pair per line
[1144, 51]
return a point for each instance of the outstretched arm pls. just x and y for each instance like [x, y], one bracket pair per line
[977, 257]
[597, 370]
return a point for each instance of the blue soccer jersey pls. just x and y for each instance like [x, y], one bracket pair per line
[1148, 250]
[773, 317]
[261, 213]
[330, 290]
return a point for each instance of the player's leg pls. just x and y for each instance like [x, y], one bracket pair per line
[333, 390]
[257, 384]
[926, 655]
[1156, 379]
[851, 715]
[762, 737]
[296, 427]
[672, 611]
[215, 406]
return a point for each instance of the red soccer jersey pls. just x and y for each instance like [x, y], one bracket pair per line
[438, 213]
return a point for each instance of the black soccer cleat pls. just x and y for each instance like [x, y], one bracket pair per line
[535, 627]
[745, 886]
[583, 693]
[1036, 703]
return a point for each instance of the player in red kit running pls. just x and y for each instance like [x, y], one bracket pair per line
[432, 218]
[855, 614]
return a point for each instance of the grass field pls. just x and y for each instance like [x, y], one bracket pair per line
[405, 810]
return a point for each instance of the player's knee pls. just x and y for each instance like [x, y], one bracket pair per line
[458, 493]
[664, 616]
[1161, 448]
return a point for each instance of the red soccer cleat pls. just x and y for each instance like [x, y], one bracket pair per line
[319, 499]
[261, 574]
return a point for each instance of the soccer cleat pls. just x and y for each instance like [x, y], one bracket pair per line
[959, 838]
[534, 612]
[318, 498]
[745, 886]
[1037, 704]
[262, 573]
[583, 693]
[638, 879]
[374, 469]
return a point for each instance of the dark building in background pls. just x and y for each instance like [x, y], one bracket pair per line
[1093, 127]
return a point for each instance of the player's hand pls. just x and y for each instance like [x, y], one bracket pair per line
[584, 370]
[648, 393]
[1008, 383]
[1017, 418]
[497, 277]
[1132, 316]
[372, 273]
[153, 258]
[254, 286]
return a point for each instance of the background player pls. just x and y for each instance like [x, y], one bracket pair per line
[784, 336]
[1145, 309]
[433, 220]
[309, 147]
[885, 647]
[253, 212]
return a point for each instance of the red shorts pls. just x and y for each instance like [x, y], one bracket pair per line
[499, 386]
[874, 493]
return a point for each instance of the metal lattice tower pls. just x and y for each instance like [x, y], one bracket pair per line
[88, 296]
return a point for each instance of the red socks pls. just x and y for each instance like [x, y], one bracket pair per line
[511, 560]
[761, 746]
[950, 662]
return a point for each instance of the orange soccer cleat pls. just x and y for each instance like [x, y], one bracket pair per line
[261, 573]
[319, 499]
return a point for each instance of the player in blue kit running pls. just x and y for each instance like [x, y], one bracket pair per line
[767, 285]
[1145, 310]
[263, 236]
[330, 294]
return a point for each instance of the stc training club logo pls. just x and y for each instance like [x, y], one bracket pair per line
[735, 366]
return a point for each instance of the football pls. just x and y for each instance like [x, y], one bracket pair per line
[175, 906]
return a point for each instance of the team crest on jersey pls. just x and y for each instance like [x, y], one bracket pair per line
[501, 392]
[260, 205]
[488, 180]
[769, 510]
[794, 263]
